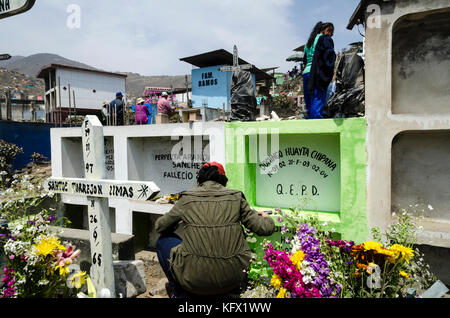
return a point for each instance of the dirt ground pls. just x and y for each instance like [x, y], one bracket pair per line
[154, 275]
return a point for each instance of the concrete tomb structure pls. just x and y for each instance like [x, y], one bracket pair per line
[169, 155]
[407, 45]
[316, 166]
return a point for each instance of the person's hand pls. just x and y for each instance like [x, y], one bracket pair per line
[263, 214]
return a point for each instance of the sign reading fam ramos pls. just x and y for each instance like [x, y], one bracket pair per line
[12, 7]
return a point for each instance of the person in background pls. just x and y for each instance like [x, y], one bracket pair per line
[116, 108]
[105, 113]
[164, 106]
[319, 60]
[202, 248]
[142, 112]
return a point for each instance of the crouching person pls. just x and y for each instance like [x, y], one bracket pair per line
[202, 248]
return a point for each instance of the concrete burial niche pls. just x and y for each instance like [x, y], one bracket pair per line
[317, 166]
[152, 158]
[421, 63]
[407, 111]
[420, 173]
[139, 153]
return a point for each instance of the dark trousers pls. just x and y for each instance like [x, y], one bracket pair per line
[163, 247]
[315, 103]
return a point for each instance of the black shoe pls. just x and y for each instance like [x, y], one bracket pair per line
[170, 290]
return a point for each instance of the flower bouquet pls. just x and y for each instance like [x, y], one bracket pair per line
[38, 265]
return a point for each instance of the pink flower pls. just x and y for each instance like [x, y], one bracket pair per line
[68, 256]
[11, 257]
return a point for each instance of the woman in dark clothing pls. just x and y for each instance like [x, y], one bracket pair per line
[202, 248]
[319, 60]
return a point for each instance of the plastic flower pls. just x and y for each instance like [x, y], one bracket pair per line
[48, 245]
[401, 252]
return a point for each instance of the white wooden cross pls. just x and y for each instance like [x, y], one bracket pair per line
[236, 65]
[98, 190]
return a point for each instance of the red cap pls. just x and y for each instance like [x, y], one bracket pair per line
[216, 164]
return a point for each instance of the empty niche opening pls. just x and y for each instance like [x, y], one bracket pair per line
[73, 161]
[421, 63]
[75, 215]
[72, 157]
[304, 172]
[420, 173]
[143, 231]
[166, 162]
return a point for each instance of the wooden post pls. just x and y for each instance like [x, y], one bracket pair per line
[74, 106]
[70, 106]
[59, 98]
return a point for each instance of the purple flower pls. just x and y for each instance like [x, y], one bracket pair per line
[50, 218]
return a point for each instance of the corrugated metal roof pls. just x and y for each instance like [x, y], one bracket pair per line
[221, 57]
[43, 73]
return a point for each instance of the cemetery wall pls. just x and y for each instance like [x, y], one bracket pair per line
[408, 119]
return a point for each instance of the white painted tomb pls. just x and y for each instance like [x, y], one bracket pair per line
[139, 153]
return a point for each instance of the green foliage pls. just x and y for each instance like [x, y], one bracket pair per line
[8, 152]
[282, 101]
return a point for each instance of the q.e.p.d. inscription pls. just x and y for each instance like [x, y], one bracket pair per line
[304, 172]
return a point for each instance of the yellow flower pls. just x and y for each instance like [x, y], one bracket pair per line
[282, 293]
[63, 270]
[369, 245]
[78, 279]
[297, 259]
[401, 252]
[275, 281]
[370, 268]
[404, 274]
[47, 245]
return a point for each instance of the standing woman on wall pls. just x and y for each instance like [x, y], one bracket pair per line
[319, 60]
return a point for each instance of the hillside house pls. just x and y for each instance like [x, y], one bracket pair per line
[78, 91]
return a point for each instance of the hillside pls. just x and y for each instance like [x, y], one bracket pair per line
[29, 66]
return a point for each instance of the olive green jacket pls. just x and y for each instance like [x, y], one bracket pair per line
[214, 252]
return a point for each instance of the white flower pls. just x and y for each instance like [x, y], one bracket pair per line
[333, 230]
[430, 207]
[325, 224]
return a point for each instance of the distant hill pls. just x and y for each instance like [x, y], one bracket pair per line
[30, 66]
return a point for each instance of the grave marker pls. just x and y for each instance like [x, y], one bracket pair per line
[98, 190]
[236, 65]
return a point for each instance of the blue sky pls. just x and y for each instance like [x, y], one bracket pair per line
[149, 37]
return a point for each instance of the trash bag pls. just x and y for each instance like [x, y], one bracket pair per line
[243, 98]
[349, 98]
